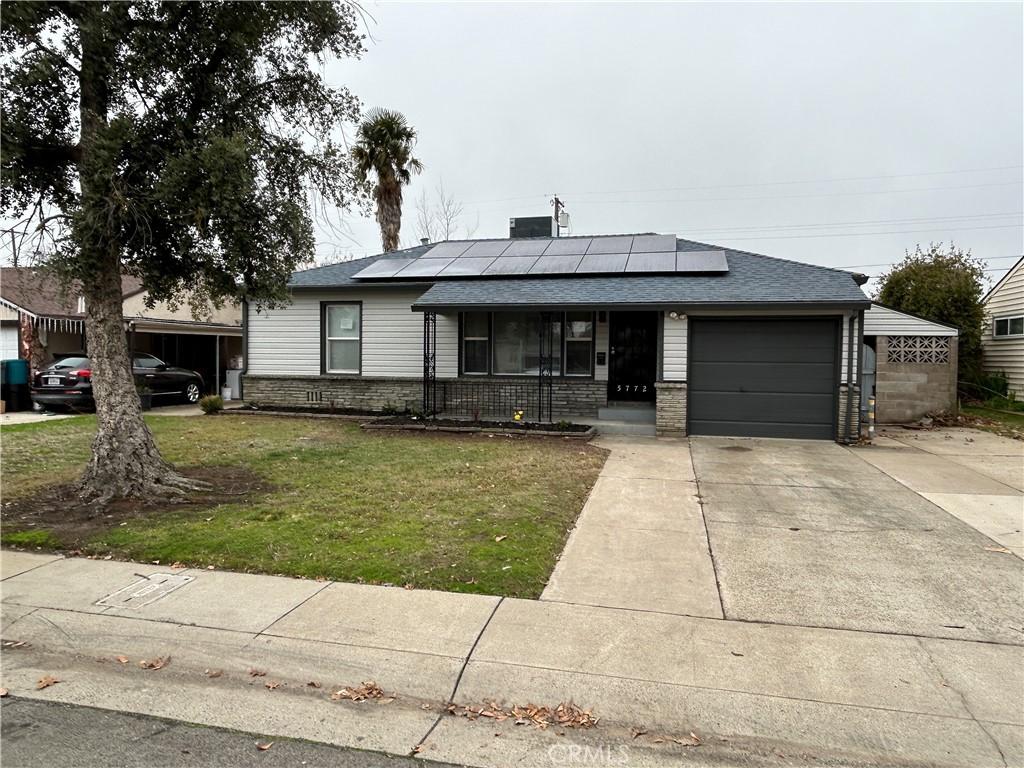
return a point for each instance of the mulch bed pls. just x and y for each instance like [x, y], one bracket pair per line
[74, 522]
[466, 425]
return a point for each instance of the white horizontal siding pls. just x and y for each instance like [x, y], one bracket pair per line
[1005, 355]
[601, 345]
[447, 349]
[286, 341]
[673, 361]
[882, 321]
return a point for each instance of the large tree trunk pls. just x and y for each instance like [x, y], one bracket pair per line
[125, 461]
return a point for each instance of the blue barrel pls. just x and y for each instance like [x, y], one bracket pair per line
[17, 372]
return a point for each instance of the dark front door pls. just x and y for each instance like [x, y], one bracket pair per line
[633, 355]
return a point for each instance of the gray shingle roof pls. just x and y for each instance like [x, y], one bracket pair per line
[752, 279]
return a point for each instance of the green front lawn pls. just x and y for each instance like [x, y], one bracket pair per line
[335, 502]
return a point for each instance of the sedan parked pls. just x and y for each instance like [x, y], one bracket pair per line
[68, 383]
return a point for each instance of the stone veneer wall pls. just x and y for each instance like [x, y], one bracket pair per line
[333, 392]
[670, 413]
[907, 391]
[848, 433]
[569, 397]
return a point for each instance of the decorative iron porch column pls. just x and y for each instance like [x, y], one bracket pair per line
[429, 363]
[545, 365]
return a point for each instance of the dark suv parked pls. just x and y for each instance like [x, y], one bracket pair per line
[68, 383]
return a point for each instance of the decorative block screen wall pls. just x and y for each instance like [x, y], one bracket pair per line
[919, 349]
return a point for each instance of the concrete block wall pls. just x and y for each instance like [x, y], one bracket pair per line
[907, 391]
[670, 410]
[848, 433]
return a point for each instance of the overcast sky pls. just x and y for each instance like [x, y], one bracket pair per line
[829, 133]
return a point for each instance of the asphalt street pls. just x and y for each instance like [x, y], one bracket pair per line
[37, 734]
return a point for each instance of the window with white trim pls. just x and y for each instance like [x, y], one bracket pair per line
[1007, 327]
[508, 343]
[476, 342]
[342, 333]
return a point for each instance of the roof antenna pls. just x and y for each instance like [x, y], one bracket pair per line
[561, 216]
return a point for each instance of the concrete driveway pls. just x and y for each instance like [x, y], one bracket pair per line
[918, 534]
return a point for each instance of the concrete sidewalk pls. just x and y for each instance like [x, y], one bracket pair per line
[750, 691]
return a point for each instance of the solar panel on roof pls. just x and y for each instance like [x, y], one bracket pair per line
[488, 248]
[527, 247]
[653, 243]
[447, 250]
[511, 265]
[610, 245]
[651, 262]
[568, 246]
[701, 261]
[425, 267]
[467, 266]
[384, 268]
[556, 265]
[603, 262]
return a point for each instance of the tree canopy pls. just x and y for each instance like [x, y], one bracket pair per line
[945, 286]
[191, 136]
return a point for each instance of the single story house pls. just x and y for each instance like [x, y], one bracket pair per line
[699, 338]
[1002, 342]
[41, 323]
[909, 365]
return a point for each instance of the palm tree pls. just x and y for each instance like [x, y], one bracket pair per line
[384, 145]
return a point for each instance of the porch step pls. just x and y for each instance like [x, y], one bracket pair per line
[631, 414]
[619, 427]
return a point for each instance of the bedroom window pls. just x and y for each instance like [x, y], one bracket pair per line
[1004, 327]
[342, 332]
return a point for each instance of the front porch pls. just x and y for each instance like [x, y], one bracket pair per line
[590, 366]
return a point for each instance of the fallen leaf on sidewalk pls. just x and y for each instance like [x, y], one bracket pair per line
[637, 732]
[734, 653]
[4, 693]
[214, 672]
[417, 749]
[368, 690]
[15, 644]
[695, 741]
[158, 663]
[46, 681]
[121, 659]
[257, 673]
[313, 684]
[1004, 550]
[270, 685]
[568, 715]
[263, 747]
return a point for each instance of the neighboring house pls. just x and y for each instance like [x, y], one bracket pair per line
[696, 338]
[1002, 341]
[40, 323]
[909, 365]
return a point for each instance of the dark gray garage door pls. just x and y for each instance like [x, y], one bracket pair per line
[762, 377]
